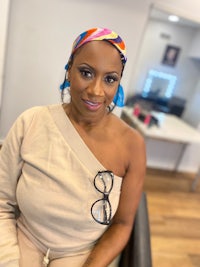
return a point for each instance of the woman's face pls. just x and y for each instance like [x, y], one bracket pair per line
[94, 77]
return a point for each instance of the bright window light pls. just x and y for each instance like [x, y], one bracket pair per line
[158, 77]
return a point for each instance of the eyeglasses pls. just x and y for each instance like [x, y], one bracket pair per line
[101, 209]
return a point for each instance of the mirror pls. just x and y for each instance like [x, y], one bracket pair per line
[159, 84]
[168, 65]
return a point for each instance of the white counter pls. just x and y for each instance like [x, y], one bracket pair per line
[171, 128]
[173, 144]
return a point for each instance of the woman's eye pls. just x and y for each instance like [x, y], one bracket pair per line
[85, 73]
[111, 79]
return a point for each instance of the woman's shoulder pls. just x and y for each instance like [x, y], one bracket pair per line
[131, 139]
[35, 110]
[32, 114]
[127, 133]
[130, 143]
[32, 110]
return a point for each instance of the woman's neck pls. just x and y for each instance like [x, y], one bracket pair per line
[88, 123]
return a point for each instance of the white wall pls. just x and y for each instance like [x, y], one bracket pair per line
[192, 114]
[195, 49]
[4, 13]
[165, 155]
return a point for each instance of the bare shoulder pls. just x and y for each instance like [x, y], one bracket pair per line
[129, 136]
[131, 145]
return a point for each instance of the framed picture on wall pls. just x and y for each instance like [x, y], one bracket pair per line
[171, 55]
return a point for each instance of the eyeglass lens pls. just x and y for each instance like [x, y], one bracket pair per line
[101, 211]
[104, 182]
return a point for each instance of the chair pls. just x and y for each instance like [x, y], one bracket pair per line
[137, 252]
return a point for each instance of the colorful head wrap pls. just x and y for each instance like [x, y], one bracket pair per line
[100, 34]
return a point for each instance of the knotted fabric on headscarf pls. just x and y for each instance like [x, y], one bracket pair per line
[100, 34]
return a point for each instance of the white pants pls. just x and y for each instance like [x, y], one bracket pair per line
[31, 256]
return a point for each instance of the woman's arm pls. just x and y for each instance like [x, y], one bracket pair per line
[117, 235]
[11, 165]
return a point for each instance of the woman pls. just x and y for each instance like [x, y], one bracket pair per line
[74, 170]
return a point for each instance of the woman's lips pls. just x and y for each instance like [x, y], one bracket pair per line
[92, 105]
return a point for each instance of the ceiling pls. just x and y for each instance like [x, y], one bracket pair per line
[163, 16]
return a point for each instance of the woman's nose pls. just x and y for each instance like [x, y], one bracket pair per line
[96, 87]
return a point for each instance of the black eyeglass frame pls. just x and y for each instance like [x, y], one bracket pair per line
[104, 198]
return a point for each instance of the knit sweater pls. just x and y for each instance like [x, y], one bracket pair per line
[48, 171]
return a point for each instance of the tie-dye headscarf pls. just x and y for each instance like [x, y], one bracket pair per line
[100, 34]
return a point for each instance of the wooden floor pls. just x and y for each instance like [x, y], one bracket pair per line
[174, 215]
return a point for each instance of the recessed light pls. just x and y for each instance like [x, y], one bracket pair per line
[173, 18]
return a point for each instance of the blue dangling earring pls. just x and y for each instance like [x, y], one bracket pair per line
[119, 97]
[65, 90]
[65, 84]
